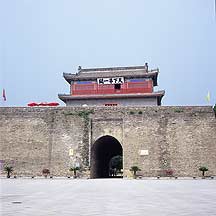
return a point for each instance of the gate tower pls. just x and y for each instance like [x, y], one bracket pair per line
[113, 86]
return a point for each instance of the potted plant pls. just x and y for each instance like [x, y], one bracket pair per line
[134, 170]
[203, 169]
[45, 172]
[9, 170]
[169, 172]
[74, 170]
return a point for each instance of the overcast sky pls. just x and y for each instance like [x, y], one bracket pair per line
[41, 39]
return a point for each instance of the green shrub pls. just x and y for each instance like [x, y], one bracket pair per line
[74, 170]
[134, 169]
[9, 170]
[178, 110]
[214, 108]
[203, 169]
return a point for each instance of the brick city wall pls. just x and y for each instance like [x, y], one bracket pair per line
[177, 138]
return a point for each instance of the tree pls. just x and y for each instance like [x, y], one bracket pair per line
[203, 169]
[74, 170]
[134, 169]
[214, 109]
[9, 170]
[116, 163]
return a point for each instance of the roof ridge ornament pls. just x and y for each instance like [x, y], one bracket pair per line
[79, 68]
[146, 66]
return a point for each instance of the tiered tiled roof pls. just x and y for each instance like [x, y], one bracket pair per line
[127, 72]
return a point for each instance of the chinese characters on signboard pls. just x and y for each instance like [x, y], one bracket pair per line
[115, 80]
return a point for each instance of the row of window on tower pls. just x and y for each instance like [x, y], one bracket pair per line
[110, 87]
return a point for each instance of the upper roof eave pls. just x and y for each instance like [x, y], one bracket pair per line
[92, 76]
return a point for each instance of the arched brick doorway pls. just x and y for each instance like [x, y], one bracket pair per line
[102, 151]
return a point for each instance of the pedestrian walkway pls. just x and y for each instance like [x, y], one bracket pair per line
[107, 197]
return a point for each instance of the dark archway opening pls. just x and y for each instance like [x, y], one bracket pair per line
[102, 151]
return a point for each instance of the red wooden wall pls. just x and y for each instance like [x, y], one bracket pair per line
[126, 88]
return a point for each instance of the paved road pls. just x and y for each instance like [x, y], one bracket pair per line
[106, 197]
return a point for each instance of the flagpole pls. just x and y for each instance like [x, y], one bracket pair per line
[215, 9]
[4, 99]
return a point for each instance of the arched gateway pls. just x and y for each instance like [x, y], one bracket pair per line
[102, 151]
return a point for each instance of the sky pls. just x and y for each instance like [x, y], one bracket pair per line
[41, 39]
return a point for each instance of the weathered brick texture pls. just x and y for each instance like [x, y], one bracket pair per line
[177, 138]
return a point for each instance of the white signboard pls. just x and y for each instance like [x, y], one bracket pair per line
[115, 80]
[71, 152]
[144, 152]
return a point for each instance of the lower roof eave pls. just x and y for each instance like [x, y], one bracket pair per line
[65, 97]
